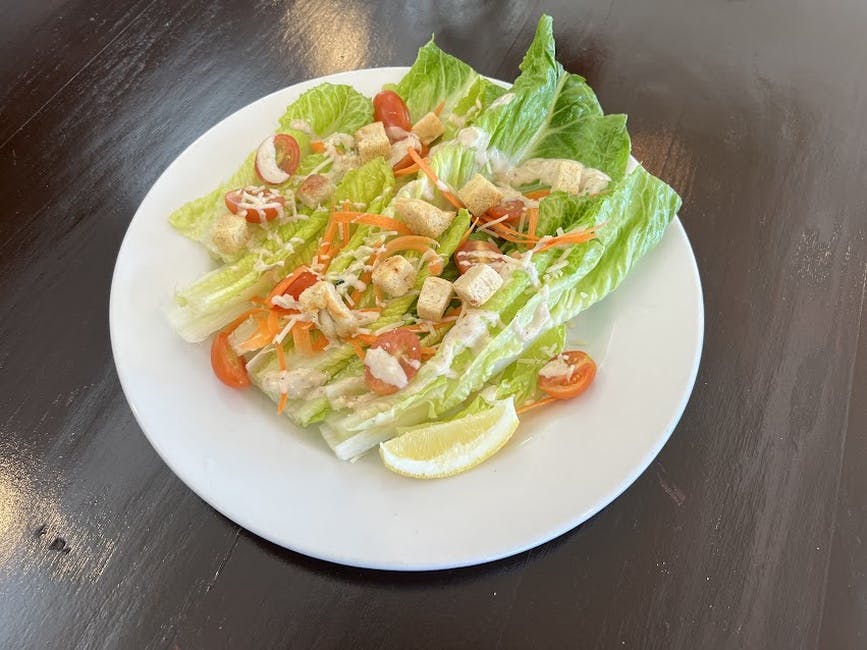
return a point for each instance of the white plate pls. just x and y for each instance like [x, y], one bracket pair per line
[563, 465]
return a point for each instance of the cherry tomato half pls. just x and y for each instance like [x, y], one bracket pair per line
[578, 373]
[227, 365]
[476, 251]
[511, 209]
[277, 158]
[260, 204]
[390, 109]
[404, 346]
[304, 281]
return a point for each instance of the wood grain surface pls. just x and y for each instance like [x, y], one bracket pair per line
[749, 529]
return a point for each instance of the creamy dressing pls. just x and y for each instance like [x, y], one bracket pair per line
[295, 383]
[301, 125]
[543, 170]
[400, 149]
[503, 100]
[385, 367]
[541, 317]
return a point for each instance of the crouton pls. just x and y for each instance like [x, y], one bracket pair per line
[423, 218]
[567, 177]
[434, 299]
[594, 181]
[478, 284]
[428, 128]
[395, 276]
[230, 233]
[372, 142]
[315, 190]
[479, 195]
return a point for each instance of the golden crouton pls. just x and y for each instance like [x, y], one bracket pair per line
[230, 233]
[423, 218]
[479, 195]
[395, 276]
[477, 285]
[372, 142]
[428, 128]
[436, 294]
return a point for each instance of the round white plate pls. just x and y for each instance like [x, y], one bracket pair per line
[564, 464]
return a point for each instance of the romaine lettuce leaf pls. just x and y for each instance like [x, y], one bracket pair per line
[329, 108]
[222, 294]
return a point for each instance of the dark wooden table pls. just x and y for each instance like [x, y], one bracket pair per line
[749, 529]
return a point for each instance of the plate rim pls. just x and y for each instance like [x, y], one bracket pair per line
[239, 519]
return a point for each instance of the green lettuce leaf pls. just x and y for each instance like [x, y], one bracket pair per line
[329, 108]
[635, 214]
[554, 114]
[221, 295]
[435, 77]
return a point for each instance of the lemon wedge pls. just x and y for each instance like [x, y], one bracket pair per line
[447, 448]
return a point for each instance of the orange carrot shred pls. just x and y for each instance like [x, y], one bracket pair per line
[429, 172]
[532, 220]
[575, 237]
[378, 220]
[281, 405]
[301, 338]
[281, 357]
[405, 171]
[538, 194]
[532, 405]
[439, 108]
[359, 351]
[317, 146]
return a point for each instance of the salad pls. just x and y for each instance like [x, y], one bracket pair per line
[398, 270]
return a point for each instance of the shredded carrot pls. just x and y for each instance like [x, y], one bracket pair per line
[574, 237]
[425, 328]
[281, 357]
[415, 243]
[320, 342]
[538, 194]
[344, 233]
[405, 171]
[532, 405]
[366, 339]
[468, 232]
[428, 352]
[359, 351]
[228, 329]
[317, 146]
[439, 108]
[532, 220]
[281, 405]
[422, 164]
[301, 338]
[381, 221]
[260, 300]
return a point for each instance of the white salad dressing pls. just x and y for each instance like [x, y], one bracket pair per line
[385, 367]
[301, 125]
[295, 383]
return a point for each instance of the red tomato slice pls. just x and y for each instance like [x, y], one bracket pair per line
[304, 281]
[475, 251]
[390, 109]
[578, 373]
[404, 346]
[227, 365]
[511, 209]
[257, 204]
[277, 158]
